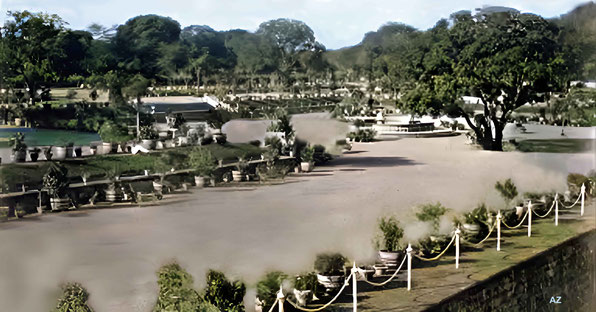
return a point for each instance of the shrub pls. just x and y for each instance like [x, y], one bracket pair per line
[392, 234]
[202, 161]
[307, 154]
[176, 291]
[55, 180]
[225, 295]
[74, 299]
[113, 133]
[256, 143]
[148, 133]
[17, 142]
[507, 190]
[575, 181]
[330, 263]
[367, 135]
[320, 156]
[268, 287]
[431, 213]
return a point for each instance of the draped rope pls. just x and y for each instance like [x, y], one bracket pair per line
[578, 198]
[487, 235]
[393, 276]
[327, 304]
[439, 256]
[551, 209]
[515, 227]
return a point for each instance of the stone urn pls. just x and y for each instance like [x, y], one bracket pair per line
[307, 166]
[148, 144]
[237, 176]
[199, 181]
[390, 258]
[471, 229]
[59, 153]
[330, 281]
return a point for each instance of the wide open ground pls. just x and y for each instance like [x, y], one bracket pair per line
[115, 252]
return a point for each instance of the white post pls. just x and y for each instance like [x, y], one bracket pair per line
[556, 209]
[499, 231]
[409, 252]
[583, 195]
[457, 231]
[529, 218]
[354, 290]
[281, 299]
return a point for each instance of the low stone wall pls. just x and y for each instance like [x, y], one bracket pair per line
[561, 278]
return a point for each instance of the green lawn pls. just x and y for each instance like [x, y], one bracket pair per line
[557, 145]
[123, 164]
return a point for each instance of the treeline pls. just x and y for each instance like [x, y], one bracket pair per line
[37, 51]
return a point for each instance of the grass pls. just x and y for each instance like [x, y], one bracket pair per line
[557, 145]
[98, 166]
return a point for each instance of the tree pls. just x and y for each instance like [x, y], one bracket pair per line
[138, 43]
[137, 88]
[254, 54]
[289, 37]
[28, 50]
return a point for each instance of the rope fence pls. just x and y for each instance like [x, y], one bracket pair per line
[454, 239]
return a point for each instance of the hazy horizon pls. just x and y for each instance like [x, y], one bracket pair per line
[336, 24]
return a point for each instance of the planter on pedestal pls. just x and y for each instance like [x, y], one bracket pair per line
[59, 153]
[307, 166]
[199, 181]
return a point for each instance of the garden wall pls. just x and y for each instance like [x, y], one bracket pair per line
[561, 278]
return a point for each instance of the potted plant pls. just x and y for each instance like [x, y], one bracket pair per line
[55, 183]
[148, 135]
[47, 152]
[241, 169]
[203, 162]
[113, 190]
[18, 146]
[388, 243]
[34, 153]
[476, 221]
[112, 134]
[59, 153]
[78, 151]
[268, 287]
[433, 243]
[307, 159]
[330, 269]
[306, 287]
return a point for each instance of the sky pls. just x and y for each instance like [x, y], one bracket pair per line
[336, 23]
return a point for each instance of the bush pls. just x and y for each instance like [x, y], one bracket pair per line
[307, 154]
[431, 213]
[225, 295]
[74, 299]
[392, 234]
[113, 133]
[176, 292]
[367, 135]
[507, 190]
[268, 287]
[148, 133]
[320, 156]
[256, 143]
[202, 161]
[575, 181]
[330, 263]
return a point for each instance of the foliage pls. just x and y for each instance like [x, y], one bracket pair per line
[202, 161]
[307, 281]
[148, 133]
[17, 142]
[506, 189]
[74, 299]
[113, 133]
[367, 135]
[268, 287]
[330, 263]
[283, 125]
[431, 213]
[576, 180]
[225, 295]
[478, 216]
[176, 291]
[307, 154]
[242, 165]
[392, 233]
[55, 180]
